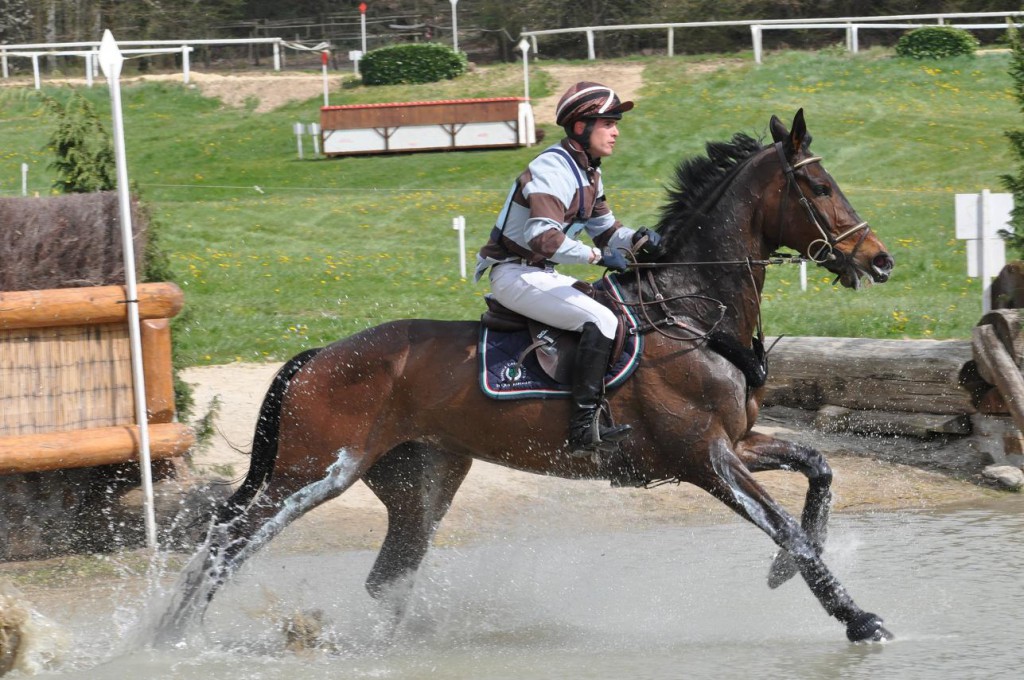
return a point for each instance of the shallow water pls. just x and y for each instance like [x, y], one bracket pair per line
[656, 602]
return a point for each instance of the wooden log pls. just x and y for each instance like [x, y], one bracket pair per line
[89, 448]
[158, 372]
[920, 425]
[997, 366]
[80, 306]
[865, 374]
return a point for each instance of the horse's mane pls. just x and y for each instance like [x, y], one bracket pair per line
[698, 178]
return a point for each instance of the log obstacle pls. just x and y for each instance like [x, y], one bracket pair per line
[65, 378]
[899, 376]
[963, 400]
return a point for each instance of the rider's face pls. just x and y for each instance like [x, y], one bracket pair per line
[602, 137]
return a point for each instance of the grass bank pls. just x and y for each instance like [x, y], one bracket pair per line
[276, 254]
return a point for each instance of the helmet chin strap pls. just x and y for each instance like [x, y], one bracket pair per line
[583, 139]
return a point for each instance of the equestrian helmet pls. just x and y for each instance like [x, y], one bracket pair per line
[587, 101]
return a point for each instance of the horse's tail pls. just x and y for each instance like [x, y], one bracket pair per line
[264, 443]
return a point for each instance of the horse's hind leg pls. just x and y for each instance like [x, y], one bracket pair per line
[729, 480]
[416, 483]
[761, 453]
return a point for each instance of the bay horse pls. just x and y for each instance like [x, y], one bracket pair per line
[399, 406]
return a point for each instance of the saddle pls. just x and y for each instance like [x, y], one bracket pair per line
[554, 348]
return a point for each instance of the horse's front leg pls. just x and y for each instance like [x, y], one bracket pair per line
[761, 453]
[729, 480]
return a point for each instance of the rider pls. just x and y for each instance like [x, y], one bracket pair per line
[559, 196]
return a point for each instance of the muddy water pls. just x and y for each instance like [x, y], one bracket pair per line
[654, 602]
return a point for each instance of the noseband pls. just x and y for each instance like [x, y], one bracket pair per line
[821, 251]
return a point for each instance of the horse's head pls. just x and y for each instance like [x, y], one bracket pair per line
[814, 217]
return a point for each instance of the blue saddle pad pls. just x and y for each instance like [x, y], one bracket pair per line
[502, 378]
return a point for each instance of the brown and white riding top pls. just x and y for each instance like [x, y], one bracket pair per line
[559, 196]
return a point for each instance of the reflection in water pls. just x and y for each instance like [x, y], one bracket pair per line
[658, 602]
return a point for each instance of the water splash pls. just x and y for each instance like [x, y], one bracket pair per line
[209, 567]
[29, 642]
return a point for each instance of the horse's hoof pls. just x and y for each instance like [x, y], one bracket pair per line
[783, 568]
[867, 628]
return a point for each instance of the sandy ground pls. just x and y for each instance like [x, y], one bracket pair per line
[268, 90]
[493, 496]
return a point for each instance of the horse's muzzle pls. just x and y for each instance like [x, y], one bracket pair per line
[881, 267]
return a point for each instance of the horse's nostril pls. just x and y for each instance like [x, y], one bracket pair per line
[883, 262]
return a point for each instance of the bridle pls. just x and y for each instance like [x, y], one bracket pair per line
[821, 251]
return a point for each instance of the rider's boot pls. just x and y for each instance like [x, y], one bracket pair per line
[586, 433]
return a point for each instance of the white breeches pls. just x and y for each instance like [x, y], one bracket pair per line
[548, 297]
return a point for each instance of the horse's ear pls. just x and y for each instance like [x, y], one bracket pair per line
[779, 131]
[799, 132]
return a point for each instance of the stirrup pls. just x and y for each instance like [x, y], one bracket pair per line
[600, 440]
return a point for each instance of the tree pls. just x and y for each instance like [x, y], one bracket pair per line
[15, 21]
[85, 155]
[1015, 183]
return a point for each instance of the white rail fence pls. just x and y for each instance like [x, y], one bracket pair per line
[852, 26]
[90, 51]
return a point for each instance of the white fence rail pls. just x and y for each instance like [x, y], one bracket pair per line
[757, 26]
[90, 50]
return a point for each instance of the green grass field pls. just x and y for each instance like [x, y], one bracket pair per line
[325, 248]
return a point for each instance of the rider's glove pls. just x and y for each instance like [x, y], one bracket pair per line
[613, 259]
[650, 245]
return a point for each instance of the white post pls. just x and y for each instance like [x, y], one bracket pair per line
[459, 225]
[111, 60]
[24, 179]
[590, 45]
[979, 218]
[35, 69]
[362, 25]
[277, 56]
[354, 56]
[3, 61]
[524, 47]
[185, 49]
[323, 64]
[299, 129]
[803, 274]
[314, 132]
[88, 69]
[455, 26]
[854, 39]
[671, 41]
[755, 34]
[984, 228]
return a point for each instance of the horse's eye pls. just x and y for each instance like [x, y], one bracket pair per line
[822, 190]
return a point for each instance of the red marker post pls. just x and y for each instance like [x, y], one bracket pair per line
[362, 23]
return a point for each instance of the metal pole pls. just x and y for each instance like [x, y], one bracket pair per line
[323, 63]
[455, 26]
[185, 49]
[111, 60]
[459, 225]
[362, 24]
[35, 69]
[524, 46]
